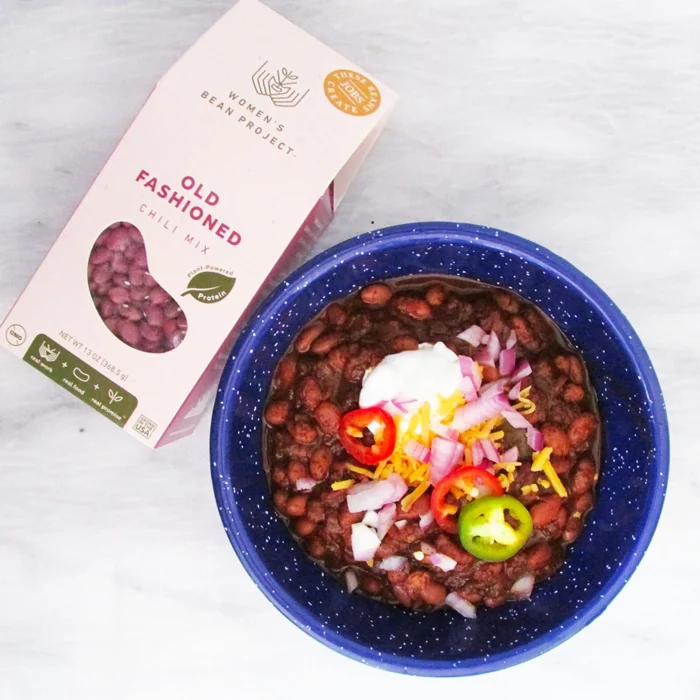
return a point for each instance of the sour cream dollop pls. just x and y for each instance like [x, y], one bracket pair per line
[424, 374]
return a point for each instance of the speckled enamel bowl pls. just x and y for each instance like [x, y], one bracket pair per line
[631, 487]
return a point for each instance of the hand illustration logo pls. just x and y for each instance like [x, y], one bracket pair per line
[278, 86]
[47, 353]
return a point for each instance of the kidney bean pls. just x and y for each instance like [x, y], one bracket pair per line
[99, 256]
[487, 571]
[112, 324]
[508, 302]
[154, 315]
[584, 502]
[583, 477]
[420, 584]
[572, 529]
[129, 312]
[158, 296]
[404, 342]
[448, 547]
[338, 356]
[279, 476]
[315, 511]
[148, 280]
[561, 465]
[581, 430]
[307, 337]
[304, 527]
[420, 507]
[328, 417]
[493, 601]
[576, 371]
[325, 343]
[140, 259]
[545, 511]
[315, 547]
[435, 294]
[336, 315]
[563, 363]
[302, 431]
[129, 332]
[358, 326]
[279, 498]
[413, 306]
[118, 239]
[574, 393]
[296, 471]
[376, 294]
[556, 437]
[490, 374]
[277, 412]
[300, 452]
[137, 295]
[309, 394]
[286, 372]
[107, 308]
[296, 505]
[539, 555]
[120, 264]
[171, 309]
[522, 331]
[102, 274]
[320, 463]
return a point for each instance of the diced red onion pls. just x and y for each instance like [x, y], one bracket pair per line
[512, 340]
[535, 439]
[463, 607]
[351, 581]
[385, 519]
[444, 431]
[497, 387]
[514, 393]
[522, 588]
[510, 455]
[444, 456]
[401, 524]
[426, 520]
[474, 335]
[521, 371]
[489, 449]
[469, 369]
[479, 411]
[493, 346]
[417, 451]
[364, 541]
[484, 358]
[394, 563]
[371, 518]
[442, 561]
[506, 361]
[427, 549]
[375, 494]
[381, 404]
[478, 455]
[466, 386]
[305, 485]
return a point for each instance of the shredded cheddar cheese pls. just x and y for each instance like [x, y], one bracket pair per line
[360, 470]
[411, 498]
[539, 459]
[544, 483]
[554, 478]
[340, 485]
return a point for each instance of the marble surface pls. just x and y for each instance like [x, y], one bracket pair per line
[574, 124]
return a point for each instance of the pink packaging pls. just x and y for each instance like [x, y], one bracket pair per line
[230, 171]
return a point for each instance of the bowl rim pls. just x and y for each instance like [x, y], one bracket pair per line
[472, 234]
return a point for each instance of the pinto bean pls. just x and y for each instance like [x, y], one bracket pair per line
[412, 306]
[336, 315]
[277, 412]
[320, 462]
[508, 302]
[296, 505]
[308, 336]
[487, 571]
[420, 507]
[315, 547]
[435, 294]
[523, 331]
[304, 527]
[583, 477]
[326, 342]
[370, 584]
[448, 547]
[545, 511]
[555, 437]
[279, 498]
[279, 476]
[584, 502]
[404, 342]
[376, 294]
[582, 429]
[338, 357]
[303, 431]
[299, 452]
[296, 470]
[561, 465]
[572, 529]
[563, 363]
[309, 393]
[576, 371]
[420, 584]
[328, 417]
[574, 393]
[315, 511]
[286, 372]
[539, 555]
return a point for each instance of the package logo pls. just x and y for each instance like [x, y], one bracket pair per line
[352, 93]
[279, 86]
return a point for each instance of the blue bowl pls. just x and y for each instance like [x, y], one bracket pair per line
[631, 489]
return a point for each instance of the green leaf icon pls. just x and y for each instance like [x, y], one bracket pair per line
[209, 287]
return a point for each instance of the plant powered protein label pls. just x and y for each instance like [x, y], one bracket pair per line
[228, 174]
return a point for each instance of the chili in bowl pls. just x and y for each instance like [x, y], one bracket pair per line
[439, 449]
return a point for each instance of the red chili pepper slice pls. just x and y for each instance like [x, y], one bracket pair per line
[462, 480]
[353, 434]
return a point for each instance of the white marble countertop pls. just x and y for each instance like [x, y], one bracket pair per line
[575, 124]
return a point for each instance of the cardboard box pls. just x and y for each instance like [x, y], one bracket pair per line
[235, 163]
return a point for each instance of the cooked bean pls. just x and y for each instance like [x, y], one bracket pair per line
[563, 363]
[561, 465]
[522, 331]
[508, 302]
[320, 462]
[415, 307]
[295, 471]
[446, 546]
[487, 571]
[556, 438]
[404, 342]
[309, 393]
[539, 555]
[303, 431]
[338, 356]
[315, 547]
[336, 315]
[584, 502]
[582, 429]
[279, 476]
[315, 511]
[545, 511]
[574, 393]
[296, 505]
[280, 499]
[358, 326]
[490, 374]
[328, 417]
[572, 529]
[583, 477]
[277, 412]
[576, 371]
[307, 337]
[286, 372]
[435, 294]
[370, 585]
[376, 294]
[304, 527]
[326, 342]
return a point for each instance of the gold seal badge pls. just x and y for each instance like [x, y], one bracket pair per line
[352, 93]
